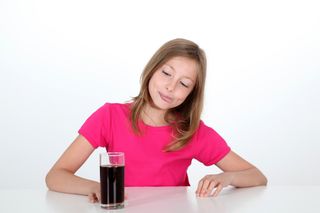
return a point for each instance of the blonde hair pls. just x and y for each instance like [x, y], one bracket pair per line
[187, 115]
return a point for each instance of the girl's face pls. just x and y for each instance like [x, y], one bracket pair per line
[172, 82]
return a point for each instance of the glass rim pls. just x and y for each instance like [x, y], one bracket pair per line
[112, 154]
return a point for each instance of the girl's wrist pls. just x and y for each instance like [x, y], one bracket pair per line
[231, 176]
[93, 186]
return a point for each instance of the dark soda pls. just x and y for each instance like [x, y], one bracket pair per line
[112, 184]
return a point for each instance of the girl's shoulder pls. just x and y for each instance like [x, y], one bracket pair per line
[116, 108]
[204, 130]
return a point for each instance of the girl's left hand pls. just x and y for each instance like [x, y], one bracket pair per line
[209, 182]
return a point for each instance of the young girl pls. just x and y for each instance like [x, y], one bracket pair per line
[160, 132]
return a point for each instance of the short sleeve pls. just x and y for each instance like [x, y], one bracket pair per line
[96, 129]
[211, 147]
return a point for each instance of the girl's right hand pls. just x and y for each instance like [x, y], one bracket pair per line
[95, 194]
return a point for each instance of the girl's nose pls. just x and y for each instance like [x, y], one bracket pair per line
[170, 86]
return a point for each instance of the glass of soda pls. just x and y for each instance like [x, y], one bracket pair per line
[112, 180]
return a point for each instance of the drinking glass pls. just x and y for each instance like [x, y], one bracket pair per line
[112, 180]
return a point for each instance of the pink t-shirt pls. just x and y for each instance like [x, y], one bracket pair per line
[146, 164]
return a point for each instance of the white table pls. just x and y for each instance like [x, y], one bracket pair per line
[170, 199]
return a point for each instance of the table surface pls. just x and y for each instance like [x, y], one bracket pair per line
[170, 199]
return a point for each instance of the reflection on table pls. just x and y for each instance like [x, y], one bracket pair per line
[170, 199]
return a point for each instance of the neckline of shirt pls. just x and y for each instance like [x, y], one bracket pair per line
[165, 127]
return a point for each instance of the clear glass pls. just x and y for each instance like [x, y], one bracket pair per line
[112, 180]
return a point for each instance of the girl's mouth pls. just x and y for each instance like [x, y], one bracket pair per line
[165, 98]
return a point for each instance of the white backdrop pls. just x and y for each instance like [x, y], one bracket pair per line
[60, 60]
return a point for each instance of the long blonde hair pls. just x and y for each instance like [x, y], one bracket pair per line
[187, 114]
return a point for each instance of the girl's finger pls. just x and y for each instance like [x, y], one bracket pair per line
[211, 186]
[91, 198]
[98, 196]
[200, 184]
[218, 190]
[204, 188]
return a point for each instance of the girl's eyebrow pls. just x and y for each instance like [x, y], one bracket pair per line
[169, 66]
[175, 70]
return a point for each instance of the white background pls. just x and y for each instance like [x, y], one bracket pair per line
[61, 60]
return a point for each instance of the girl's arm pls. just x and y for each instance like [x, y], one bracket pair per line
[237, 172]
[61, 177]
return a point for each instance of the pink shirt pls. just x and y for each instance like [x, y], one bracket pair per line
[145, 162]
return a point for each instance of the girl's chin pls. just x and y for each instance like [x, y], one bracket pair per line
[161, 106]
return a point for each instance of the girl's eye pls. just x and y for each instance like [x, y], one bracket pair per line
[183, 84]
[166, 73]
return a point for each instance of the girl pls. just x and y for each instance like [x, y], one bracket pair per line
[160, 132]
